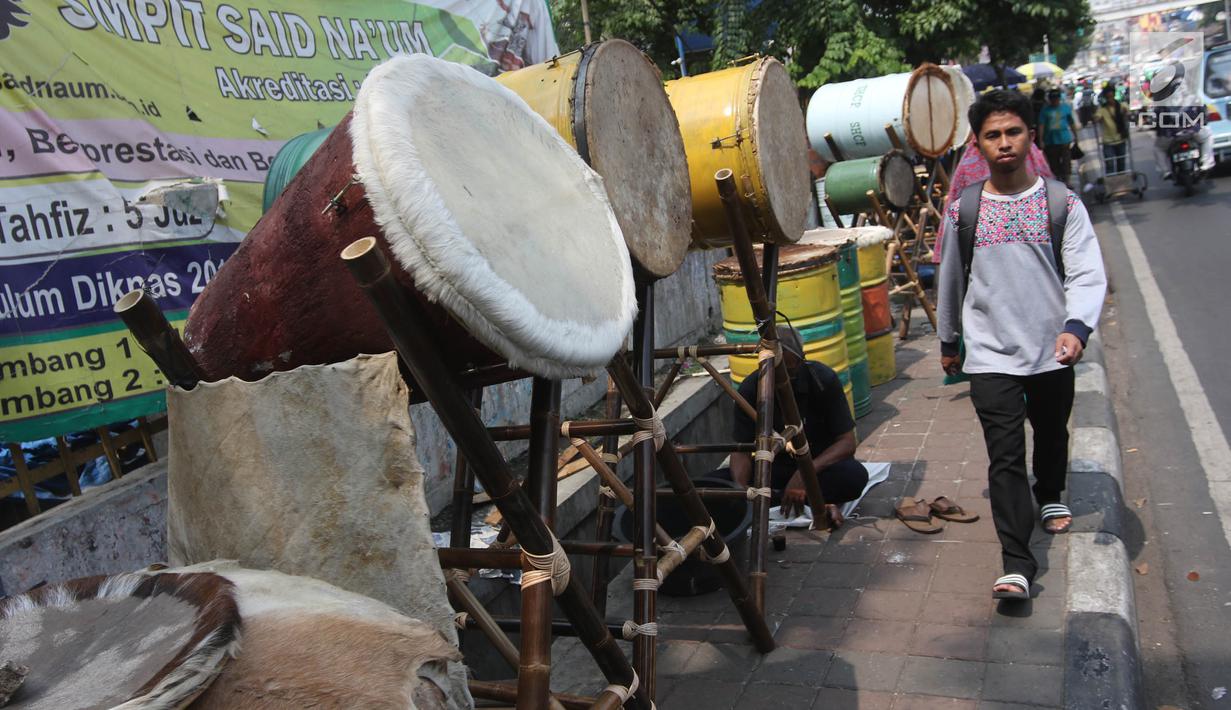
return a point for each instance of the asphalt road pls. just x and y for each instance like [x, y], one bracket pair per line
[1168, 337]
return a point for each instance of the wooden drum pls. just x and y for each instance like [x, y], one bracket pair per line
[746, 118]
[490, 219]
[874, 279]
[890, 177]
[607, 100]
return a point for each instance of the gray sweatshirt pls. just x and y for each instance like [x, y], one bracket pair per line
[1015, 306]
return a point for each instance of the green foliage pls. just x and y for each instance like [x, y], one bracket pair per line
[822, 41]
[651, 25]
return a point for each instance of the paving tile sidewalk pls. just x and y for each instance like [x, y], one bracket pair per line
[874, 615]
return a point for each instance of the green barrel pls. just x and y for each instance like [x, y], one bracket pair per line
[288, 161]
[852, 323]
[890, 176]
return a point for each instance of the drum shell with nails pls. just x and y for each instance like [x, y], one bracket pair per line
[747, 119]
[607, 100]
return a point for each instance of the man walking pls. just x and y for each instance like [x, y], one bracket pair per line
[1059, 134]
[1023, 288]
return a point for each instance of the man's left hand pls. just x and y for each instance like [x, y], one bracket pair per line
[794, 496]
[1068, 349]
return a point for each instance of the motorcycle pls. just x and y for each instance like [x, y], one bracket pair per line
[1184, 154]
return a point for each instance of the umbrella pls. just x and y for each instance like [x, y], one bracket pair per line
[984, 75]
[1040, 70]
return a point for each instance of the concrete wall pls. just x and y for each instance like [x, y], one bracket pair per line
[114, 528]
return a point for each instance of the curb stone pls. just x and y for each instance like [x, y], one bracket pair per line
[1102, 667]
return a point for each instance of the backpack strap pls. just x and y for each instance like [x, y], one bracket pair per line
[967, 220]
[1057, 217]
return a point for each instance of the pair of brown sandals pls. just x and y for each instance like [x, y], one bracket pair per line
[918, 514]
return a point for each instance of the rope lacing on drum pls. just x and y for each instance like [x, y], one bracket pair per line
[632, 629]
[650, 428]
[553, 567]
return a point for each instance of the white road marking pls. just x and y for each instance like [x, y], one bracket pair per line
[1212, 448]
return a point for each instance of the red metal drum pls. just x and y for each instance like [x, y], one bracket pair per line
[876, 316]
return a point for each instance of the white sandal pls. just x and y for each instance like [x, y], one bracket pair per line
[1051, 511]
[1016, 580]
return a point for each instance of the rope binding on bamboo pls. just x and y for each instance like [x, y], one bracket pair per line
[632, 629]
[460, 619]
[650, 428]
[553, 567]
[624, 693]
[754, 493]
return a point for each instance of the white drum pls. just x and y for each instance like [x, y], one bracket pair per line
[920, 106]
[964, 95]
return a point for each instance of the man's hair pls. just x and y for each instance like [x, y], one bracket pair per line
[1000, 100]
[790, 341]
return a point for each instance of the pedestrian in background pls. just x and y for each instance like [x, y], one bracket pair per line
[1023, 284]
[1059, 134]
[1113, 125]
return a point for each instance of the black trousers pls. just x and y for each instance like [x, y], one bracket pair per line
[1003, 403]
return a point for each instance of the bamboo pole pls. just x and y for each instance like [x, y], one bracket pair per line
[412, 336]
[762, 475]
[666, 386]
[705, 350]
[507, 692]
[463, 488]
[605, 516]
[645, 505]
[602, 427]
[723, 448]
[158, 339]
[677, 477]
[763, 311]
[534, 671]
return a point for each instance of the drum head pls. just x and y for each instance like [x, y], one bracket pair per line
[494, 215]
[897, 179]
[929, 111]
[631, 137]
[792, 259]
[782, 151]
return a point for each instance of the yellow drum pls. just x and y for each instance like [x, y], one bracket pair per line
[808, 294]
[871, 244]
[607, 100]
[882, 366]
[746, 118]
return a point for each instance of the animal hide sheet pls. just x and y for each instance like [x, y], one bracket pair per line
[310, 472]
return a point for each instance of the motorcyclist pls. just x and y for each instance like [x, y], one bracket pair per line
[1183, 116]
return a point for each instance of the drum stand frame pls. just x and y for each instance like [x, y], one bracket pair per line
[529, 509]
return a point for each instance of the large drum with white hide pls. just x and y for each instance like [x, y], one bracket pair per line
[920, 105]
[745, 118]
[607, 100]
[489, 217]
[964, 95]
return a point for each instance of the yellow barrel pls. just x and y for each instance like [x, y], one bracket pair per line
[808, 295]
[748, 119]
[608, 102]
[882, 366]
[872, 264]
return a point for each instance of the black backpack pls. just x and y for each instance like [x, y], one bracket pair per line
[968, 219]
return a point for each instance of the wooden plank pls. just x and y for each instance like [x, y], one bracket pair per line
[23, 480]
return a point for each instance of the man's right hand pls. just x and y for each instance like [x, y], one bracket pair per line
[951, 364]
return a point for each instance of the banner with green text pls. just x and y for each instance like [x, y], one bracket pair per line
[135, 136]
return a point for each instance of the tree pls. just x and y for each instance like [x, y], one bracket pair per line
[651, 25]
[823, 41]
